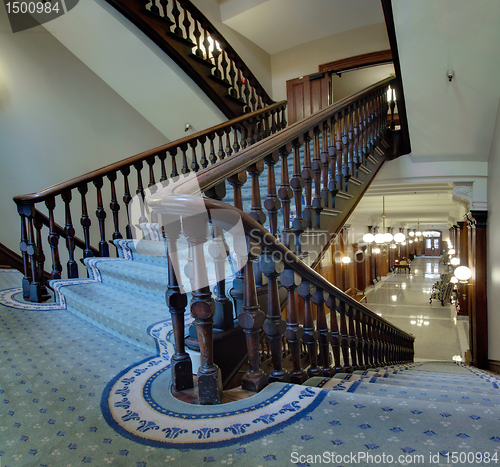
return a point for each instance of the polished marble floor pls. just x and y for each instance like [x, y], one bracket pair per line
[403, 299]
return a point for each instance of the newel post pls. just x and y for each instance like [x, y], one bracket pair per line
[251, 319]
[209, 379]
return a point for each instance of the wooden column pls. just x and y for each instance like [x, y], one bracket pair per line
[478, 314]
[462, 248]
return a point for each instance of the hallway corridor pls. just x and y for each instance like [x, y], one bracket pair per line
[403, 299]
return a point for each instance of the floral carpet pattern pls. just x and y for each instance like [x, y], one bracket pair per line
[61, 377]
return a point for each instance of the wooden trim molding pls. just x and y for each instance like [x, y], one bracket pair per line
[363, 60]
[494, 366]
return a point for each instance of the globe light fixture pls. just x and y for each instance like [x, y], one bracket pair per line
[463, 273]
[346, 260]
[399, 237]
[376, 250]
[379, 238]
[388, 237]
[451, 251]
[454, 280]
[368, 238]
[454, 261]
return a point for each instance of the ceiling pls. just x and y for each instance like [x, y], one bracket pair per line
[449, 122]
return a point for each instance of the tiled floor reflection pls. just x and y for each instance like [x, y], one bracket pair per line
[403, 299]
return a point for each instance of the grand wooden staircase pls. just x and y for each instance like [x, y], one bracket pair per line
[239, 197]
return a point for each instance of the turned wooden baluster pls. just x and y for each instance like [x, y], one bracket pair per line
[232, 79]
[154, 8]
[331, 303]
[213, 156]
[85, 221]
[256, 213]
[344, 336]
[319, 201]
[272, 202]
[140, 193]
[187, 25]
[40, 259]
[216, 54]
[274, 326]
[325, 159]
[53, 240]
[346, 171]
[166, 19]
[114, 206]
[294, 332]
[325, 336]
[251, 319]
[220, 153]
[203, 159]
[350, 142]
[151, 162]
[377, 348]
[197, 34]
[363, 154]
[27, 277]
[224, 65]
[70, 234]
[237, 181]
[306, 290]
[101, 216]
[369, 342]
[35, 288]
[285, 195]
[173, 158]
[353, 338]
[195, 167]
[182, 370]
[339, 175]
[307, 177]
[236, 144]
[176, 14]
[209, 380]
[219, 251]
[366, 340]
[297, 184]
[229, 149]
[357, 152]
[127, 198]
[358, 321]
[332, 153]
[185, 164]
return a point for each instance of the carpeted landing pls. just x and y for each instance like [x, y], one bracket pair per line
[74, 395]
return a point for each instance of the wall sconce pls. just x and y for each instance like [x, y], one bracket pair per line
[463, 273]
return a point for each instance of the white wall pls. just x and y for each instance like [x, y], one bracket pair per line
[58, 120]
[305, 59]
[493, 246]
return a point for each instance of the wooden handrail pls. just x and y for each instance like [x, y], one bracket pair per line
[60, 188]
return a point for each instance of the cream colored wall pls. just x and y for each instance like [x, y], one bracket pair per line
[305, 59]
[493, 246]
[58, 120]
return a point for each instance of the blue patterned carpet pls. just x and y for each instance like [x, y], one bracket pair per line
[75, 395]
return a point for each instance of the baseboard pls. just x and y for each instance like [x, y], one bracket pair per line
[494, 366]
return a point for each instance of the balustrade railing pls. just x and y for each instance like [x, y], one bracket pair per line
[184, 32]
[300, 178]
[356, 338]
[61, 213]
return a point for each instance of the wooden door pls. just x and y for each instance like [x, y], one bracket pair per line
[433, 246]
[306, 95]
